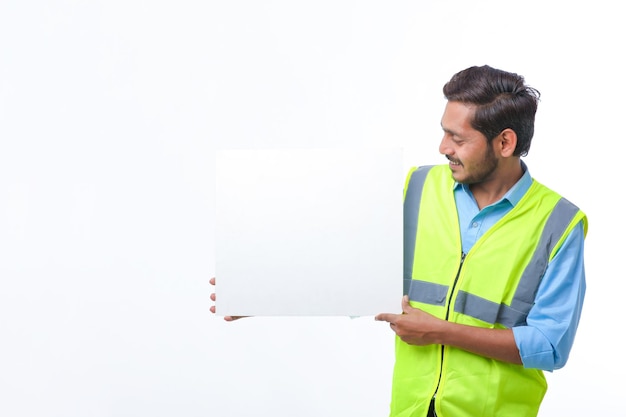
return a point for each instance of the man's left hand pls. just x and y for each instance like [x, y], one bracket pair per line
[413, 326]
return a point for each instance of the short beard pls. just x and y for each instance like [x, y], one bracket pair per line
[484, 169]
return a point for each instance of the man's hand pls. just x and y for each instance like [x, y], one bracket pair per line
[414, 326]
[212, 308]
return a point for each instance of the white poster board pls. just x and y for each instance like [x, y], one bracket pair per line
[309, 232]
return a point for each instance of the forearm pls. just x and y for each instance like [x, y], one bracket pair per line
[496, 344]
[419, 328]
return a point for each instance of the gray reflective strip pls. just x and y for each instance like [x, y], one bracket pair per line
[560, 218]
[412, 200]
[476, 307]
[490, 312]
[428, 292]
[485, 310]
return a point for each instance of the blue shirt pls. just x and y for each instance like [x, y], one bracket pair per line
[546, 339]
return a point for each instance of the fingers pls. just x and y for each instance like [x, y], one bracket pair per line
[388, 317]
[212, 308]
[212, 296]
[406, 306]
[391, 318]
[233, 318]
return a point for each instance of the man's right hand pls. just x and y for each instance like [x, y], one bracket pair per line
[227, 318]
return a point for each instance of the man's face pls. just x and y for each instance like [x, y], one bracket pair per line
[472, 159]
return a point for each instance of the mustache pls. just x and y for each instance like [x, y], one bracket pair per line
[456, 161]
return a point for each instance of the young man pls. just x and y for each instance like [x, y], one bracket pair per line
[494, 271]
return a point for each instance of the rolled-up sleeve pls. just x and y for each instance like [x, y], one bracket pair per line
[547, 338]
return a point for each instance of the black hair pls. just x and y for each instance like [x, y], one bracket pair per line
[502, 100]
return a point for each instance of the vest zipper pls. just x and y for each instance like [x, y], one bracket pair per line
[456, 278]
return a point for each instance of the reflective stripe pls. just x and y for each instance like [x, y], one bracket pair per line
[477, 307]
[412, 200]
[560, 218]
[428, 292]
[515, 315]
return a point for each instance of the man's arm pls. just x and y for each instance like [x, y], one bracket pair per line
[548, 336]
[417, 327]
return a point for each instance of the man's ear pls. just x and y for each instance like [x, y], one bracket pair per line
[506, 142]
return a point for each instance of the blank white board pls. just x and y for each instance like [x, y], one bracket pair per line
[308, 232]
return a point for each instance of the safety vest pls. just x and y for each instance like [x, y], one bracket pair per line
[492, 286]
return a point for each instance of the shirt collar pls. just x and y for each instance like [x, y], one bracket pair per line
[515, 193]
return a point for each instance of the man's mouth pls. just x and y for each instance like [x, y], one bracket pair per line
[453, 161]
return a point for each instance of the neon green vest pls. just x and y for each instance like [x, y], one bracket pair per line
[493, 287]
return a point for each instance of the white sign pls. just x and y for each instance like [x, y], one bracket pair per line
[309, 232]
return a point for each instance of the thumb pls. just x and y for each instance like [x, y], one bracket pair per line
[406, 306]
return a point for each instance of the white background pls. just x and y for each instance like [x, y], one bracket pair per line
[110, 116]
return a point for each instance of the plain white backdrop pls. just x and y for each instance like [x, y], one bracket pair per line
[111, 113]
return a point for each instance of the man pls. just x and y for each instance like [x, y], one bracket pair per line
[494, 271]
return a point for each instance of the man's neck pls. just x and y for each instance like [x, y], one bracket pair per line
[493, 189]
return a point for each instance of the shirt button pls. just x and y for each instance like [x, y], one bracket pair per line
[475, 224]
